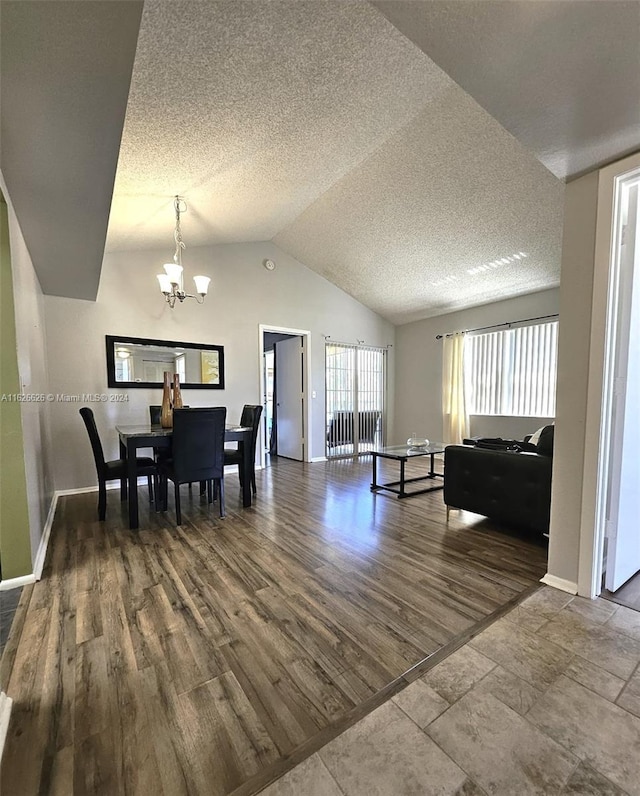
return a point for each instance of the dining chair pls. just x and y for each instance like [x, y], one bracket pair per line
[250, 418]
[155, 414]
[197, 454]
[155, 419]
[115, 469]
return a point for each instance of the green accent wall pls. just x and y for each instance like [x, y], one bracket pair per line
[15, 544]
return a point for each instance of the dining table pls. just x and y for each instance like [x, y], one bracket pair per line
[144, 435]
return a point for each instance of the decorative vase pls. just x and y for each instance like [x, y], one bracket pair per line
[166, 418]
[417, 443]
[177, 395]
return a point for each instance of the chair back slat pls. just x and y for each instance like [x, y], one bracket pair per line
[198, 443]
[94, 438]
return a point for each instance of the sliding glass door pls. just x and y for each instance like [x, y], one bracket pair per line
[355, 398]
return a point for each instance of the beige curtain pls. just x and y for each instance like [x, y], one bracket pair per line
[454, 410]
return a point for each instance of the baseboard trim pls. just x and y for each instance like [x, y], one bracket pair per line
[142, 481]
[318, 459]
[560, 583]
[16, 583]
[38, 564]
[6, 704]
[80, 491]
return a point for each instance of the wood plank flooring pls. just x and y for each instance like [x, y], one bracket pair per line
[205, 659]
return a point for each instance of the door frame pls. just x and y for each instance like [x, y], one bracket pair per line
[604, 310]
[305, 334]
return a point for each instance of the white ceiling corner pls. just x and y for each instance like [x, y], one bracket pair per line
[562, 76]
[65, 78]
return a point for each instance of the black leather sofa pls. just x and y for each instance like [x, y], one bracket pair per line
[512, 487]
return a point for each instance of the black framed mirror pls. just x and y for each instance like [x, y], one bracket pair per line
[141, 362]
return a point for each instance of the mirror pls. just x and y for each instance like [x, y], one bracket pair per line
[139, 362]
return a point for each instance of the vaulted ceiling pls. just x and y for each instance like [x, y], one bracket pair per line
[410, 152]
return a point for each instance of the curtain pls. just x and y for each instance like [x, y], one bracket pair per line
[454, 409]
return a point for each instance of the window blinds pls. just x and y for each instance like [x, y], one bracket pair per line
[513, 372]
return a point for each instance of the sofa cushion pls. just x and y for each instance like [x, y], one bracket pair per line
[545, 443]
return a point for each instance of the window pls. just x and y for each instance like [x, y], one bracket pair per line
[355, 398]
[512, 372]
[181, 368]
[123, 369]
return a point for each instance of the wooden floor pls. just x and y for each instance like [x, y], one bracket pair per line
[206, 659]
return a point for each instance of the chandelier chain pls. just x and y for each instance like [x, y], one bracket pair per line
[177, 235]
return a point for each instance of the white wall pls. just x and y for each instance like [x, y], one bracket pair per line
[418, 361]
[578, 250]
[34, 379]
[243, 294]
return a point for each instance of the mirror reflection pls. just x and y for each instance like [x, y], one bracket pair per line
[138, 362]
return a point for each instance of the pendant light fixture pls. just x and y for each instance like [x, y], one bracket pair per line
[171, 282]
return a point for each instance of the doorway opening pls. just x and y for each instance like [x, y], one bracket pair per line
[284, 379]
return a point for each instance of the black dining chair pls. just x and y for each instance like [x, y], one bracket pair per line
[197, 453]
[155, 419]
[155, 414]
[250, 418]
[116, 469]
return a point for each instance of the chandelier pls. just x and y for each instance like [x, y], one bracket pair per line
[171, 282]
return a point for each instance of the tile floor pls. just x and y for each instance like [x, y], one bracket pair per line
[544, 701]
[8, 604]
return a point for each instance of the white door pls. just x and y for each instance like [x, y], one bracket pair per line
[289, 391]
[623, 553]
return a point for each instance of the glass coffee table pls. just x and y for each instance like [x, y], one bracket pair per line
[402, 453]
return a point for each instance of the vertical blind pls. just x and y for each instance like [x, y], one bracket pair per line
[355, 398]
[513, 372]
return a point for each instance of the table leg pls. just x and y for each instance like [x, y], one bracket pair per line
[132, 476]
[123, 480]
[246, 474]
[374, 482]
[402, 492]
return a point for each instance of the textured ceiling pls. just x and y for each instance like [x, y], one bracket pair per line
[418, 228]
[322, 127]
[253, 109]
[563, 77]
